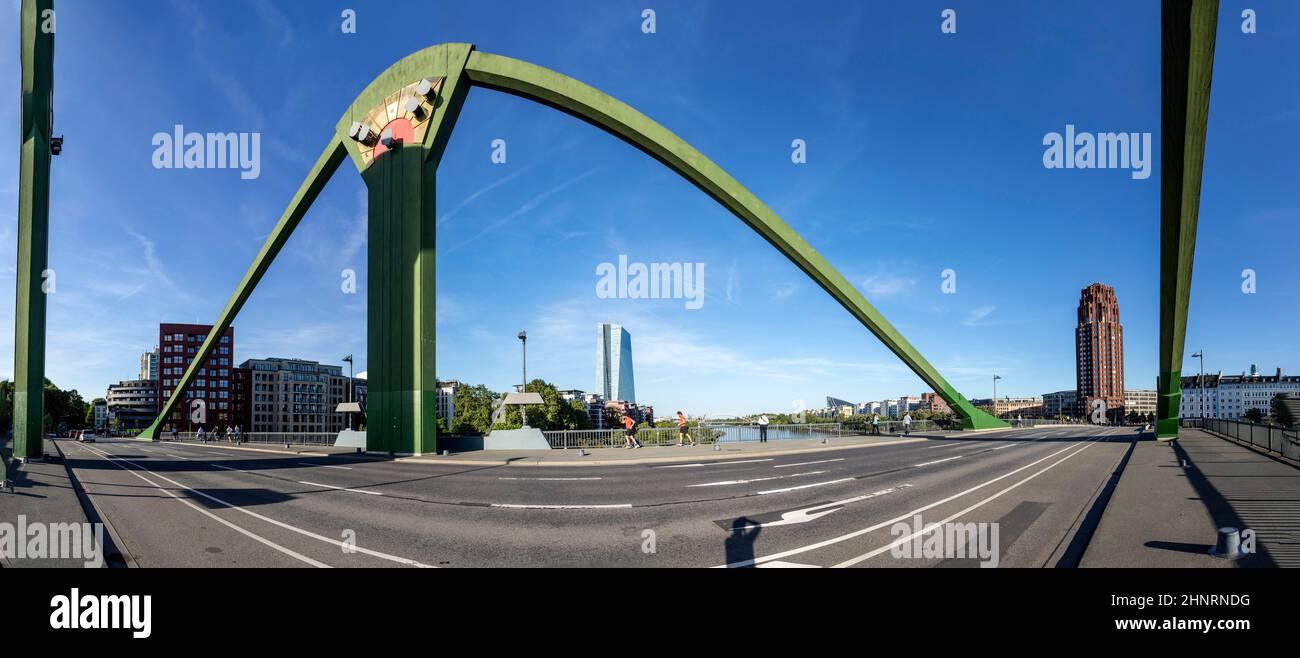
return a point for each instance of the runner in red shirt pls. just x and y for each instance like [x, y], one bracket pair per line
[682, 432]
[630, 435]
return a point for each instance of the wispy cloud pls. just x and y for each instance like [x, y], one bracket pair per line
[976, 317]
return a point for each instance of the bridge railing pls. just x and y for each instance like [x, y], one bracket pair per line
[282, 438]
[665, 436]
[1271, 438]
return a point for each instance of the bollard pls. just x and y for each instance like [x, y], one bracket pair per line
[717, 447]
[1229, 544]
[446, 452]
[582, 452]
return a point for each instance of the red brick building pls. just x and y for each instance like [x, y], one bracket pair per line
[177, 346]
[933, 403]
[1099, 351]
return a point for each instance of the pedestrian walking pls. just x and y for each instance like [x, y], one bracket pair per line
[202, 436]
[682, 431]
[907, 424]
[629, 436]
[762, 428]
[875, 425]
[239, 435]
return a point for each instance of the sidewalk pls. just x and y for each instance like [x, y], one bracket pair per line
[43, 493]
[1164, 515]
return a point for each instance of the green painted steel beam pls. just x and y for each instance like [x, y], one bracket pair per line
[401, 294]
[320, 173]
[1186, 68]
[603, 111]
[33, 229]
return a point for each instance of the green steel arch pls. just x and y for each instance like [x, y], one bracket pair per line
[402, 185]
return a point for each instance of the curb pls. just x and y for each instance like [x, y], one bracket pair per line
[94, 514]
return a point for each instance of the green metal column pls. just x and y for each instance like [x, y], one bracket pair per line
[402, 388]
[33, 228]
[1186, 67]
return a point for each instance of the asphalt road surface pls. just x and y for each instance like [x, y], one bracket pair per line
[186, 505]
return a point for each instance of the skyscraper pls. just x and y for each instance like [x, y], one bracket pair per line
[1099, 351]
[614, 363]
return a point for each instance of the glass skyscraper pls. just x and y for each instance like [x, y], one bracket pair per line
[614, 363]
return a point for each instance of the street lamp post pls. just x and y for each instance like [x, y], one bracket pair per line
[995, 393]
[523, 345]
[348, 358]
[1200, 354]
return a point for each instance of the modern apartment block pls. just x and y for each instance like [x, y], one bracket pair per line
[1140, 401]
[149, 364]
[1099, 350]
[1061, 403]
[934, 404]
[294, 396]
[447, 401]
[1231, 396]
[614, 363]
[132, 403]
[177, 345]
[1009, 407]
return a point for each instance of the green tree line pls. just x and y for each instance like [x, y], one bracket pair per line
[64, 410]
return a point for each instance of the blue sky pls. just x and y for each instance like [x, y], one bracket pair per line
[924, 153]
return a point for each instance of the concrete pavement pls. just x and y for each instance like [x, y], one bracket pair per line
[196, 505]
[1172, 498]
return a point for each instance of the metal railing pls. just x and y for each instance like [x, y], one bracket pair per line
[281, 438]
[1272, 438]
[665, 436]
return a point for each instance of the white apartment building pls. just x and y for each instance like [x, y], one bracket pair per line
[1229, 397]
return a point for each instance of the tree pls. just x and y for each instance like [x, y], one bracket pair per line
[1254, 415]
[1281, 412]
[555, 412]
[473, 410]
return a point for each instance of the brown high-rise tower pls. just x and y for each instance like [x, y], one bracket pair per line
[1099, 351]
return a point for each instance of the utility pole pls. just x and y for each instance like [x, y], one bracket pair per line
[523, 344]
[995, 394]
[348, 358]
[1200, 354]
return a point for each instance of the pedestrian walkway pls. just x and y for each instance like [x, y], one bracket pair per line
[43, 494]
[1172, 497]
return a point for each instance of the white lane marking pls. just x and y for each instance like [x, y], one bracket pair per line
[820, 461]
[176, 456]
[804, 486]
[955, 444]
[307, 533]
[330, 486]
[218, 519]
[722, 463]
[817, 511]
[901, 540]
[726, 483]
[777, 564]
[937, 461]
[883, 524]
[520, 506]
[552, 479]
[342, 468]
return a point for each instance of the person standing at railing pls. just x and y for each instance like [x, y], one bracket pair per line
[907, 424]
[682, 431]
[762, 428]
[875, 425]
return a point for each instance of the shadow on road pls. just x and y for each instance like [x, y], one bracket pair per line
[740, 543]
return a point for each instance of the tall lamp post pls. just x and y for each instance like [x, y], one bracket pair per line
[995, 393]
[1200, 354]
[523, 345]
[348, 358]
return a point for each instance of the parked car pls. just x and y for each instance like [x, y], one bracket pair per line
[86, 436]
